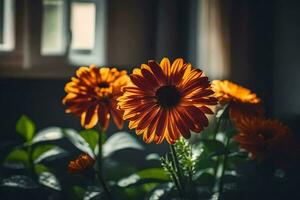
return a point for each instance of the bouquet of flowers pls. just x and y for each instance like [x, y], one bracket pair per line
[221, 144]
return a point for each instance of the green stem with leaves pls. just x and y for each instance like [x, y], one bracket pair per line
[176, 165]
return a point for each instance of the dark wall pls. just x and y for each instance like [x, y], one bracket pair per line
[39, 99]
[265, 46]
[252, 47]
[287, 58]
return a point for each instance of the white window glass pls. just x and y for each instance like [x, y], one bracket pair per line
[53, 33]
[7, 33]
[83, 19]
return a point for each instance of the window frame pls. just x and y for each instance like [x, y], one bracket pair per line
[26, 59]
[97, 55]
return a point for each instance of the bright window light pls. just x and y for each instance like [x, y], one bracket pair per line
[83, 20]
[7, 33]
[53, 27]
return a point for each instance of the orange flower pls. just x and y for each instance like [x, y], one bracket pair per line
[81, 163]
[166, 101]
[263, 138]
[242, 102]
[92, 95]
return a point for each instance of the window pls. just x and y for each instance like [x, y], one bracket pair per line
[7, 25]
[88, 32]
[83, 22]
[51, 34]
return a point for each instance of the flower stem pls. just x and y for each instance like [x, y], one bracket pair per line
[30, 162]
[178, 171]
[104, 186]
[223, 167]
[99, 158]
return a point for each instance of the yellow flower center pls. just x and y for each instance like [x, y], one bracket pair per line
[167, 96]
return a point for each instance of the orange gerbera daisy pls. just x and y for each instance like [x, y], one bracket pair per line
[166, 101]
[92, 95]
[263, 138]
[82, 163]
[242, 102]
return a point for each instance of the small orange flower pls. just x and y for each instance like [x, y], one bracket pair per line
[263, 138]
[242, 102]
[81, 163]
[92, 95]
[166, 101]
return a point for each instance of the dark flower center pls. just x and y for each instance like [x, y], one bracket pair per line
[167, 96]
[266, 135]
[103, 85]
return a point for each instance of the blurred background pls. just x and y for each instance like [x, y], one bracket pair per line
[251, 42]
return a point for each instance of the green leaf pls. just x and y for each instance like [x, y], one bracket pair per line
[150, 175]
[205, 160]
[39, 150]
[214, 146]
[48, 134]
[91, 137]
[205, 179]
[77, 192]
[235, 160]
[19, 181]
[120, 141]
[25, 127]
[39, 168]
[161, 191]
[51, 154]
[78, 141]
[92, 193]
[230, 133]
[19, 155]
[49, 180]
[156, 173]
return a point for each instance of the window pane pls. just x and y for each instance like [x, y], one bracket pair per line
[53, 27]
[7, 39]
[1, 20]
[83, 25]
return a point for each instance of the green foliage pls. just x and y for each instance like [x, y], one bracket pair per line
[51, 154]
[161, 191]
[19, 181]
[18, 155]
[205, 179]
[40, 149]
[155, 173]
[40, 168]
[26, 128]
[48, 134]
[30, 154]
[78, 141]
[213, 146]
[185, 157]
[144, 176]
[120, 141]
[169, 168]
[49, 180]
[205, 161]
[91, 137]
[77, 192]
[93, 193]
